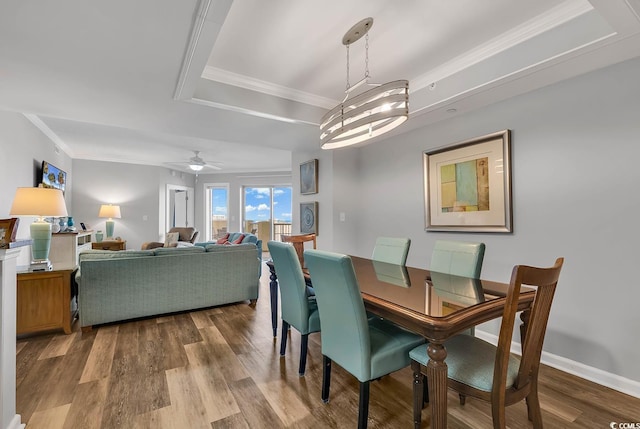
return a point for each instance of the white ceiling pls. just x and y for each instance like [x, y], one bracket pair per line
[246, 81]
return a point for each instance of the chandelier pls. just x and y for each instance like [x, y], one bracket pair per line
[368, 114]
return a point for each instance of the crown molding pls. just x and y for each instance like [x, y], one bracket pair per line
[246, 82]
[552, 18]
[35, 120]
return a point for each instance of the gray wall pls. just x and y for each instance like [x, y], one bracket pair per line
[575, 148]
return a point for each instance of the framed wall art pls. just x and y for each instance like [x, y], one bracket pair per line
[309, 218]
[467, 186]
[8, 229]
[309, 177]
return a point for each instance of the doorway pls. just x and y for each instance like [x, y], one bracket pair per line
[179, 207]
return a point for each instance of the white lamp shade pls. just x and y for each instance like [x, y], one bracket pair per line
[110, 211]
[41, 202]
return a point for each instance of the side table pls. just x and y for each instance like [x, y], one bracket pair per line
[44, 301]
[109, 245]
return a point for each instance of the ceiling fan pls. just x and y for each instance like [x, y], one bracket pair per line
[197, 164]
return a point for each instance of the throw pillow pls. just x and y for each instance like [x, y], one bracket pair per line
[222, 240]
[171, 239]
[238, 240]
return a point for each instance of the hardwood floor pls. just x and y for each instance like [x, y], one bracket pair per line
[221, 368]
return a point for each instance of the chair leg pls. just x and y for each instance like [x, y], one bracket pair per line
[304, 345]
[283, 339]
[533, 406]
[363, 407]
[498, 414]
[326, 378]
[418, 394]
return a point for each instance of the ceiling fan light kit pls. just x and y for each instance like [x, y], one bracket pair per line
[370, 113]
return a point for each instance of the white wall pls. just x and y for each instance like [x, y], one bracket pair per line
[575, 151]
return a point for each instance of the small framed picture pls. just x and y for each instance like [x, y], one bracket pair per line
[309, 218]
[8, 229]
[83, 226]
[309, 177]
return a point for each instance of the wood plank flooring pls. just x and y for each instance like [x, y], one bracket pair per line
[220, 368]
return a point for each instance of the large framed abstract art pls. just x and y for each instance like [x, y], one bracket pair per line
[467, 185]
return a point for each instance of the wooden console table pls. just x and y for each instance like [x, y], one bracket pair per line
[109, 245]
[44, 301]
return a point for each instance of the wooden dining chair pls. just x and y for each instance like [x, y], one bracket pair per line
[481, 370]
[298, 244]
[367, 348]
[391, 250]
[298, 309]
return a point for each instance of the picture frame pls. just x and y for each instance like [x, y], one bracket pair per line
[83, 226]
[309, 218]
[309, 177]
[467, 185]
[8, 230]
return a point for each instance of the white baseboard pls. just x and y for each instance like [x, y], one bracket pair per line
[613, 381]
[15, 423]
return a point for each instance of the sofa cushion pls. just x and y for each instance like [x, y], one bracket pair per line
[250, 238]
[238, 240]
[228, 248]
[109, 254]
[168, 251]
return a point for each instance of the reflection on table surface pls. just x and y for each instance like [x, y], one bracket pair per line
[430, 293]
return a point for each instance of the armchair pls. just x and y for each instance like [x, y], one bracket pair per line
[186, 234]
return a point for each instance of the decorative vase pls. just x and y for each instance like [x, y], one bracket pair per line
[62, 224]
[99, 236]
[55, 227]
[70, 221]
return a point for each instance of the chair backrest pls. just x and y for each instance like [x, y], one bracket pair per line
[458, 258]
[392, 250]
[545, 281]
[345, 332]
[293, 290]
[186, 233]
[298, 244]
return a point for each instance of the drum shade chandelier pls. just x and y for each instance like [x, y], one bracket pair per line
[370, 113]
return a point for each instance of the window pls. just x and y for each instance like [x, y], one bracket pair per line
[217, 198]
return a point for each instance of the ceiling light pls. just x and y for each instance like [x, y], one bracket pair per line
[196, 166]
[196, 163]
[370, 113]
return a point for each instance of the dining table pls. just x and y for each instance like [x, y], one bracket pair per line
[432, 304]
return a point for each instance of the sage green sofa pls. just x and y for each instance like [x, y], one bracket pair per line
[116, 286]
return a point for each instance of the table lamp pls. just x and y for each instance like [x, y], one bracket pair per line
[109, 211]
[39, 202]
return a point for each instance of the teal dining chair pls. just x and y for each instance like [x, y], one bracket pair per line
[391, 250]
[297, 308]
[459, 258]
[491, 373]
[367, 348]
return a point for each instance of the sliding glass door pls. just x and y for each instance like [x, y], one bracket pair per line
[267, 212]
